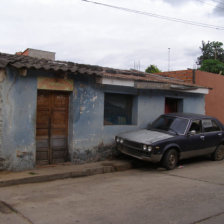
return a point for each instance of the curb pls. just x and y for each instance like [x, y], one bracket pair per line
[105, 168]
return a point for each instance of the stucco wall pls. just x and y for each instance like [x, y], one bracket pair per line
[89, 139]
[19, 121]
[92, 140]
[1, 125]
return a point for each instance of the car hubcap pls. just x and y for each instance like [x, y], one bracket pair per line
[172, 159]
[219, 154]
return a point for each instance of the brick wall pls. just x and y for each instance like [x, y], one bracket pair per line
[214, 101]
[185, 75]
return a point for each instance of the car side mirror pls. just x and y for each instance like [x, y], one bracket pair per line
[192, 132]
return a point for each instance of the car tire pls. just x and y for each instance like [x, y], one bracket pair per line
[219, 153]
[170, 159]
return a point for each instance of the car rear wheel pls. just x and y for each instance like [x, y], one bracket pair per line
[219, 153]
[170, 159]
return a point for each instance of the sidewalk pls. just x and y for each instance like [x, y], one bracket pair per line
[62, 171]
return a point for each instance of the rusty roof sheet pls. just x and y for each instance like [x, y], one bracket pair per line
[21, 61]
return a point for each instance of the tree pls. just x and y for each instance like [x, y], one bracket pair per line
[152, 69]
[211, 50]
[212, 65]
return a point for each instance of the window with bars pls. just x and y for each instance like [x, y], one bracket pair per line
[118, 109]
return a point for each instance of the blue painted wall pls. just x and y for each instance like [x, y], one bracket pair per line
[19, 121]
[89, 139]
[92, 140]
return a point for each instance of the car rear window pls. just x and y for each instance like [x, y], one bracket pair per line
[210, 125]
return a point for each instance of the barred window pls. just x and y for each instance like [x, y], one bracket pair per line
[117, 109]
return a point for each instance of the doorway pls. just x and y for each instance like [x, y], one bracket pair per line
[173, 105]
[52, 127]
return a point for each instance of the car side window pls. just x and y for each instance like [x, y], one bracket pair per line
[196, 126]
[210, 125]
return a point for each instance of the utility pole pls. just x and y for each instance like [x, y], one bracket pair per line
[168, 59]
[215, 53]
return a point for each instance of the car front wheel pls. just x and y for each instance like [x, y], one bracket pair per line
[170, 159]
[219, 153]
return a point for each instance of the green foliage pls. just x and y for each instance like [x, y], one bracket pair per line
[211, 50]
[214, 66]
[152, 69]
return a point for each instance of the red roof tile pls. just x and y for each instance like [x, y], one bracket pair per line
[21, 61]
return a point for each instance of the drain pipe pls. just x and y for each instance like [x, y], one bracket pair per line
[194, 74]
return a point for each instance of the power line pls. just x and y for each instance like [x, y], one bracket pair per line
[173, 19]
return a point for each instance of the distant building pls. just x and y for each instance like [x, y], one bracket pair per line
[214, 103]
[38, 54]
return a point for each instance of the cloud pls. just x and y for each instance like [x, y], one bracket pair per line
[219, 9]
[216, 6]
[91, 34]
[176, 2]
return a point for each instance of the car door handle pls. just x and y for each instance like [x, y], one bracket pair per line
[202, 137]
[219, 134]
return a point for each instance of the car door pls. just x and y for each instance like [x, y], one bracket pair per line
[212, 135]
[194, 140]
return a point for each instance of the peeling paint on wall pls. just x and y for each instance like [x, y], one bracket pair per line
[19, 121]
[94, 99]
[48, 83]
[89, 138]
[2, 160]
[2, 74]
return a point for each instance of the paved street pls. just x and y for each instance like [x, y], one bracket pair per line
[193, 193]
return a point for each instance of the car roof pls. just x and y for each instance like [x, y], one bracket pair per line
[188, 115]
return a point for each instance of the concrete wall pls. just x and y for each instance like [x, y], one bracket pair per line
[1, 126]
[89, 139]
[19, 121]
[38, 54]
[92, 140]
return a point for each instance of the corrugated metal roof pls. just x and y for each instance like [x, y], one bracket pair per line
[21, 61]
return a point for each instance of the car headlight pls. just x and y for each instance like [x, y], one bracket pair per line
[117, 139]
[149, 148]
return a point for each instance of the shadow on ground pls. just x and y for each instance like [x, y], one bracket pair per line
[147, 166]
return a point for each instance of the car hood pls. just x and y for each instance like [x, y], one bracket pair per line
[145, 136]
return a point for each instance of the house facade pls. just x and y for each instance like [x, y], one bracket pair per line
[214, 103]
[56, 111]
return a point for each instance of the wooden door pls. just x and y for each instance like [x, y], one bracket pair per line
[52, 127]
[171, 105]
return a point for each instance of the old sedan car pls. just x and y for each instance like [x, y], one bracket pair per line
[173, 137]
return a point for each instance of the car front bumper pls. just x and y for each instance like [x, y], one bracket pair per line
[155, 158]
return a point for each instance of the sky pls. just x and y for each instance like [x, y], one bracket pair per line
[87, 33]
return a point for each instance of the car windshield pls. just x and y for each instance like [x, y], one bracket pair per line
[172, 124]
